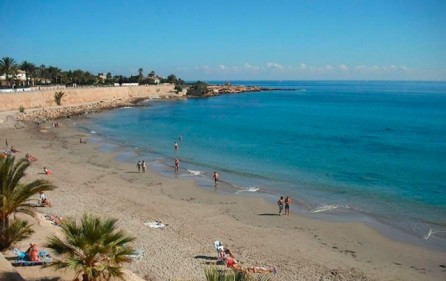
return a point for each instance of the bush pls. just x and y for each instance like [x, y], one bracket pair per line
[14, 232]
[22, 109]
[58, 97]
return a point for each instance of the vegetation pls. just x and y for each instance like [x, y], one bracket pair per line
[214, 274]
[21, 109]
[94, 248]
[58, 97]
[199, 89]
[15, 198]
[47, 75]
[8, 66]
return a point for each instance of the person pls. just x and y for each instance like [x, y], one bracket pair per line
[13, 149]
[180, 138]
[216, 177]
[6, 142]
[175, 145]
[287, 205]
[82, 140]
[30, 158]
[280, 203]
[47, 172]
[43, 200]
[177, 165]
[33, 252]
[232, 263]
[220, 251]
[138, 166]
[143, 166]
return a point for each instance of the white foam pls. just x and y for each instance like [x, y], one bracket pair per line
[128, 107]
[325, 208]
[194, 173]
[92, 132]
[249, 189]
[432, 232]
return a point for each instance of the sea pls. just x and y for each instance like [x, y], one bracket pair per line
[365, 151]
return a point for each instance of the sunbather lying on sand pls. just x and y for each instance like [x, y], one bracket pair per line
[33, 252]
[47, 172]
[14, 150]
[54, 219]
[30, 158]
[43, 200]
[232, 263]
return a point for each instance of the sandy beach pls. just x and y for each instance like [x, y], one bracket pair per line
[301, 248]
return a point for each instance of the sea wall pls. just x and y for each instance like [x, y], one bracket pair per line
[45, 98]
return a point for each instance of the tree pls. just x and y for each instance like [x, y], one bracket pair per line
[94, 248]
[29, 69]
[152, 74]
[140, 75]
[14, 198]
[109, 78]
[8, 66]
[172, 79]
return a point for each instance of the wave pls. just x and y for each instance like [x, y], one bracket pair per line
[195, 173]
[432, 232]
[324, 208]
[92, 132]
[128, 107]
[248, 189]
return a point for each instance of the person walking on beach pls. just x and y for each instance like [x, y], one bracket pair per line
[216, 177]
[138, 166]
[6, 142]
[280, 203]
[287, 205]
[177, 165]
[143, 166]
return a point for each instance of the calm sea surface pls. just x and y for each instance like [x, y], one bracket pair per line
[367, 151]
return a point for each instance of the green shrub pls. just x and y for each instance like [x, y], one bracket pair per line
[58, 97]
[22, 109]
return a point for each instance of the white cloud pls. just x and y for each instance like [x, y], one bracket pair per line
[343, 67]
[274, 65]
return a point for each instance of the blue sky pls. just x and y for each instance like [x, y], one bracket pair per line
[232, 39]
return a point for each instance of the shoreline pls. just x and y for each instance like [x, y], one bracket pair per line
[205, 182]
[311, 249]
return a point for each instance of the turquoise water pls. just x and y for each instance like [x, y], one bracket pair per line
[371, 151]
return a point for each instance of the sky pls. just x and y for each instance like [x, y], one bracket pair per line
[232, 39]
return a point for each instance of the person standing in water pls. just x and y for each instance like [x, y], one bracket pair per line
[216, 177]
[143, 166]
[287, 205]
[177, 165]
[175, 146]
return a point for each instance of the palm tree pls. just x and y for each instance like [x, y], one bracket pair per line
[8, 66]
[42, 73]
[94, 248]
[29, 69]
[14, 198]
[140, 74]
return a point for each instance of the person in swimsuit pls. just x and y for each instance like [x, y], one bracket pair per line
[143, 166]
[216, 177]
[138, 166]
[287, 205]
[280, 203]
[177, 165]
[232, 263]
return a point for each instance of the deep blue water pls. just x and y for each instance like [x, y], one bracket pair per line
[374, 151]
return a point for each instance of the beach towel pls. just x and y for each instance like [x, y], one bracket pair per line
[155, 224]
[22, 258]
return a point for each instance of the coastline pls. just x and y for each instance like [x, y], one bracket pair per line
[312, 249]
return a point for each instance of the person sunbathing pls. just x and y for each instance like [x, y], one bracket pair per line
[30, 158]
[232, 263]
[14, 150]
[33, 252]
[47, 172]
[56, 220]
[44, 200]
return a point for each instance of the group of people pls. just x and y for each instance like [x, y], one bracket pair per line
[226, 256]
[286, 202]
[141, 166]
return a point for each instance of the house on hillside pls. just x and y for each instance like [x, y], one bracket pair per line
[19, 79]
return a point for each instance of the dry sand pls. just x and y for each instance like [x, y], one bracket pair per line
[300, 248]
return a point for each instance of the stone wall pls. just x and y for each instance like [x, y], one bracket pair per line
[45, 99]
